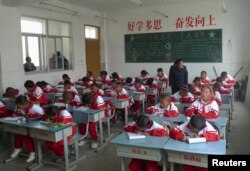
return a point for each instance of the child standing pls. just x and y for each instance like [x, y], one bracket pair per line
[205, 106]
[165, 106]
[161, 77]
[143, 125]
[138, 87]
[35, 93]
[182, 96]
[196, 127]
[28, 110]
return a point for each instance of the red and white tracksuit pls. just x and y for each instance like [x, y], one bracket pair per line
[209, 110]
[87, 84]
[151, 97]
[176, 97]
[143, 79]
[197, 91]
[205, 81]
[75, 101]
[230, 79]
[71, 89]
[170, 111]
[57, 147]
[217, 98]
[123, 94]
[4, 111]
[137, 103]
[71, 82]
[106, 80]
[49, 89]
[100, 92]
[163, 78]
[139, 164]
[32, 111]
[97, 103]
[119, 78]
[37, 95]
[208, 132]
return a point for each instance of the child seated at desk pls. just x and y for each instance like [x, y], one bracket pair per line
[144, 76]
[28, 110]
[46, 87]
[65, 77]
[151, 83]
[196, 127]
[103, 78]
[54, 114]
[69, 87]
[205, 105]
[110, 91]
[224, 89]
[93, 101]
[138, 87]
[87, 82]
[182, 96]
[195, 87]
[4, 112]
[117, 77]
[129, 82]
[161, 77]
[204, 80]
[71, 99]
[96, 90]
[11, 93]
[89, 75]
[217, 96]
[227, 78]
[165, 106]
[35, 93]
[143, 125]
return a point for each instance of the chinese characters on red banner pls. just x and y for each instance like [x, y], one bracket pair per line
[194, 22]
[146, 25]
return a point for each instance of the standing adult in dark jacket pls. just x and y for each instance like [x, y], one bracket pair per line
[178, 75]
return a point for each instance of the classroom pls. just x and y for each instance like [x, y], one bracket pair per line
[119, 85]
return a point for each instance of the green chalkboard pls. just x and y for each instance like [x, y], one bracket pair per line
[191, 46]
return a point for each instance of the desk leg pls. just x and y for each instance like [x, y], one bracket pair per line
[122, 164]
[100, 126]
[164, 162]
[126, 115]
[143, 105]
[66, 155]
[156, 98]
[171, 166]
[39, 157]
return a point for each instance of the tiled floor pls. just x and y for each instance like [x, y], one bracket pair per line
[106, 159]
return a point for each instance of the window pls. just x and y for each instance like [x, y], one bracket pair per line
[47, 43]
[91, 32]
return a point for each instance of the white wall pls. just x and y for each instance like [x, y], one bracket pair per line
[235, 26]
[12, 72]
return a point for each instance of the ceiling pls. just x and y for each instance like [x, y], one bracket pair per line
[107, 5]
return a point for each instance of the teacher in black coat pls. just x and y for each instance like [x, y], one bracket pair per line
[178, 75]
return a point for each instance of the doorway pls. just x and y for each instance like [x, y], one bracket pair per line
[92, 47]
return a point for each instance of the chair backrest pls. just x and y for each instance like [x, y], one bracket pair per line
[80, 117]
[50, 97]
[9, 103]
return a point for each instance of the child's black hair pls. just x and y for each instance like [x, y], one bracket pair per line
[204, 72]
[159, 70]
[67, 82]
[115, 75]
[85, 79]
[90, 73]
[197, 79]
[217, 86]
[65, 76]
[129, 80]
[51, 110]
[223, 74]
[29, 84]
[143, 121]
[197, 122]
[103, 73]
[87, 98]
[150, 81]
[137, 81]
[163, 96]
[219, 80]
[95, 85]
[21, 100]
[144, 72]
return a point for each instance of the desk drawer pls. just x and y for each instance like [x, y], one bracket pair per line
[49, 135]
[189, 159]
[95, 117]
[16, 129]
[140, 153]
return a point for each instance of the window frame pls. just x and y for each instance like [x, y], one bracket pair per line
[42, 39]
